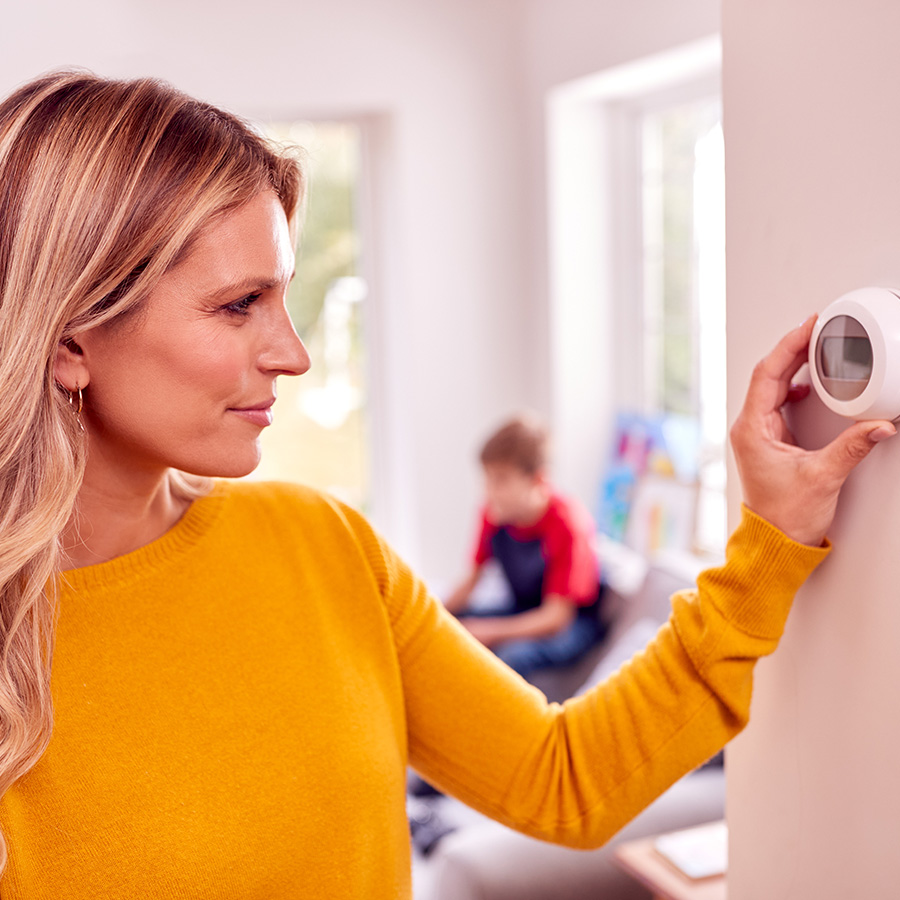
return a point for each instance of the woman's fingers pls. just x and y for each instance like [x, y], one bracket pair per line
[770, 383]
[794, 489]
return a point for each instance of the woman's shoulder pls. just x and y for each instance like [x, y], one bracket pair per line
[287, 506]
[272, 493]
[267, 514]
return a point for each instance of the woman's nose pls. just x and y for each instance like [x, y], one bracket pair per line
[286, 354]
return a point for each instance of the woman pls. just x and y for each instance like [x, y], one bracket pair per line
[242, 672]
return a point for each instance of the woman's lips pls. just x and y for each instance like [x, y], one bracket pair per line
[260, 415]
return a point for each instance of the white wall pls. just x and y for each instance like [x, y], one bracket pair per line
[813, 195]
[453, 94]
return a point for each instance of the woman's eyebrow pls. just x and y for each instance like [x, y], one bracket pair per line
[245, 286]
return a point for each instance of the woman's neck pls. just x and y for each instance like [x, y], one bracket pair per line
[112, 518]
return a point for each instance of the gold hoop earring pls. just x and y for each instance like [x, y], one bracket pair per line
[71, 394]
[77, 409]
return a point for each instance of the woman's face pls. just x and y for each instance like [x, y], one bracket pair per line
[189, 380]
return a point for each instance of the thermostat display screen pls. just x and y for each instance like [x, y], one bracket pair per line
[849, 357]
[844, 356]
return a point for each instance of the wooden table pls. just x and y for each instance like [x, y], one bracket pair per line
[641, 860]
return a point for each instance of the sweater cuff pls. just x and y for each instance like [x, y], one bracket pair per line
[764, 568]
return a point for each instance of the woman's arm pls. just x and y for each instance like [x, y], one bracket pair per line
[576, 773]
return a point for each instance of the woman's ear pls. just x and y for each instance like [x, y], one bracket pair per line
[70, 369]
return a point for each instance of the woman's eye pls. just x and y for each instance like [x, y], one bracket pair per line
[242, 307]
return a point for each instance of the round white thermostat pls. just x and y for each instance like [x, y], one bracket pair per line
[854, 354]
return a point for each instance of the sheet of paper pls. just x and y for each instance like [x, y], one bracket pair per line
[697, 852]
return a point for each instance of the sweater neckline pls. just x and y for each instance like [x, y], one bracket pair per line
[189, 530]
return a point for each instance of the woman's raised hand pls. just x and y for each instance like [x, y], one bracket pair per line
[795, 490]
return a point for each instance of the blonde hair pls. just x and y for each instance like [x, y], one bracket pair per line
[104, 185]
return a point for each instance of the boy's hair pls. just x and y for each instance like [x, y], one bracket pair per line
[521, 442]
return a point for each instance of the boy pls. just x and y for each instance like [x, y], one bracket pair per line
[543, 544]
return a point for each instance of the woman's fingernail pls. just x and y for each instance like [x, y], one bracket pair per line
[880, 433]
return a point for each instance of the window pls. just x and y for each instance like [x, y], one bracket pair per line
[637, 292]
[682, 214]
[320, 435]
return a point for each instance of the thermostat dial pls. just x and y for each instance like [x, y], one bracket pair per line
[854, 354]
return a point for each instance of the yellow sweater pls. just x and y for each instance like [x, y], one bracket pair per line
[236, 704]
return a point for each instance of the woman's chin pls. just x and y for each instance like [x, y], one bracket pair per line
[237, 466]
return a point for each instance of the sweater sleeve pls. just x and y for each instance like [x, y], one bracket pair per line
[576, 773]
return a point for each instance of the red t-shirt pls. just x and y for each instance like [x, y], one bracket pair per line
[565, 533]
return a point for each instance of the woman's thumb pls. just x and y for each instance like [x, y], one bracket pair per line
[842, 455]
